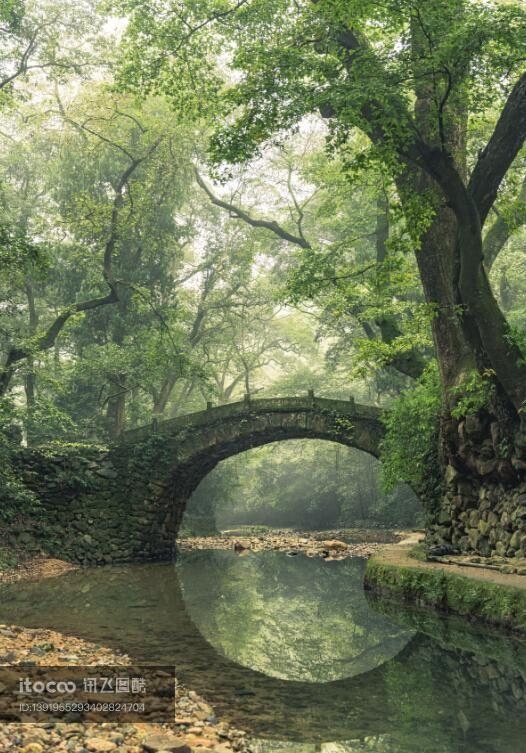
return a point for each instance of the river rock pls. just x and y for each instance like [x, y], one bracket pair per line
[100, 745]
[340, 546]
[241, 546]
[157, 743]
[32, 748]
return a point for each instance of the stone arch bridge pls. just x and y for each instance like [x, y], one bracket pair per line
[126, 503]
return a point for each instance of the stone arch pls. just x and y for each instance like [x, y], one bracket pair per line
[193, 445]
[126, 503]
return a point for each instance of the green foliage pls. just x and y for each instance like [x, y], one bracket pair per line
[299, 484]
[15, 498]
[475, 393]
[493, 603]
[18, 255]
[411, 441]
[187, 76]
[418, 552]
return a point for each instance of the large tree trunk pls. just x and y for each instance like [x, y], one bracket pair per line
[480, 454]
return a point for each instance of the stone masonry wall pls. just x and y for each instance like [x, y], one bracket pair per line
[96, 506]
[486, 519]
[483, 506]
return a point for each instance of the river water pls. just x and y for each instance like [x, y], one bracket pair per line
[294, 651]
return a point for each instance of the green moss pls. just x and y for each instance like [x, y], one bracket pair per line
[486, 601]
[8, 558]
[71, 449]
[418, 552]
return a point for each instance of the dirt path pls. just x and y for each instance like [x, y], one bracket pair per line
[398, 554]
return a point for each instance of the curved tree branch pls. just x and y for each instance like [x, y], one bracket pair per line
[502, 148]
[236, 211]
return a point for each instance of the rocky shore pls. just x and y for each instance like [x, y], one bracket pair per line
[330, 545]
[195, 728]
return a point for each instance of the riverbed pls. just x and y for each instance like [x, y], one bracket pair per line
[293, 651]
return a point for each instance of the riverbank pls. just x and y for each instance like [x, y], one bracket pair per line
[195, 729]
[330, 545]
[35, 568]
[482, 593]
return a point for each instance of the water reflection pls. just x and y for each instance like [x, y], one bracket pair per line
[454, 688]
[308, 621]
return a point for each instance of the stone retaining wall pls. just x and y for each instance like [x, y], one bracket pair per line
[96, 507]
[483, 504]
[486, 519]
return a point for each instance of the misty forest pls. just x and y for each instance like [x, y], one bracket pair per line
[200, 201]
[263, 371]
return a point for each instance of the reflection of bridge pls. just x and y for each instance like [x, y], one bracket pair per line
[143, 612]
[419, 692]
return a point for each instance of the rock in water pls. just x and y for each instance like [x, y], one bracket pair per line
[241, 546]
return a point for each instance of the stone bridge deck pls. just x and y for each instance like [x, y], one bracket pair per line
[229, 411]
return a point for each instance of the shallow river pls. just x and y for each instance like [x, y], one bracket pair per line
[294, 651]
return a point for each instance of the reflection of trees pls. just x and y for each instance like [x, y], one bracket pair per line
[294, 618]
[450, 675]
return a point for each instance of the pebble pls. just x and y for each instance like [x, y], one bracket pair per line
[100, 745]
[195, 728]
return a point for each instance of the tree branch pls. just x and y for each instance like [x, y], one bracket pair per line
[48, 338]
[502, 148]
[235, 211]
[504, 227]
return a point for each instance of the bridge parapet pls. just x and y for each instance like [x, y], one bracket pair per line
[228, 411]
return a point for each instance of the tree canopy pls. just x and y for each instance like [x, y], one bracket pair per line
[210, 198]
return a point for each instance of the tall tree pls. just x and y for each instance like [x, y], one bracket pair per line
[413, 77]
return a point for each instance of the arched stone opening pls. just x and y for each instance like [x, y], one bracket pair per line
[304, 484]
